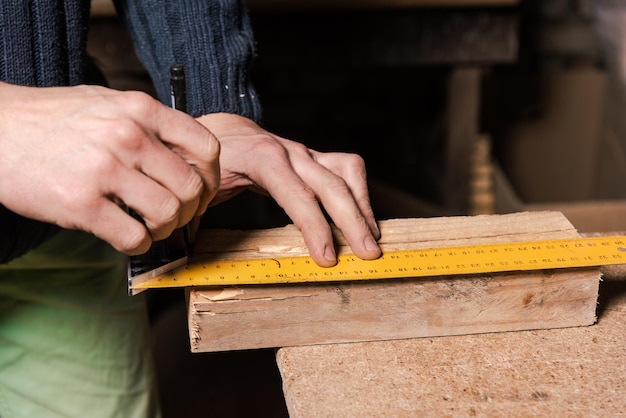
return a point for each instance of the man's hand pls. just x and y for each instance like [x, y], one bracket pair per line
[299, 179]
[77, 156]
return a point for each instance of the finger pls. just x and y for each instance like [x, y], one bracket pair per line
[300, 204]
[99, 179]
[114, 184]
[336, 196]
[351, 168]
[115, 226]
[158, 207]
[113, 180]
[170, 171]
[196, 145]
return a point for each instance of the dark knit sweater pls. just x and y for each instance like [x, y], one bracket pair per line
[42, 43]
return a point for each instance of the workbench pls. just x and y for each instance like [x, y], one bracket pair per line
[574, 372]
[541, 366]
[571, 371]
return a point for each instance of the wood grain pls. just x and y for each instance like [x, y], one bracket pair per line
[235, 318]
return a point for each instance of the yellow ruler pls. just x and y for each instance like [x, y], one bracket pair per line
[471, 259]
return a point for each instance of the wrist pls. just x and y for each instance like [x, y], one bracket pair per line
[221, 124]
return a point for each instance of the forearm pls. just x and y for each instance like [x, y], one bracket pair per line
[212, 39]
[19, 234]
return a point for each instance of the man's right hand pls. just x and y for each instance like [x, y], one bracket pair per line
[77, 156]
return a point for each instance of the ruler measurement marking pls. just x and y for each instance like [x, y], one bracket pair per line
[469, 259]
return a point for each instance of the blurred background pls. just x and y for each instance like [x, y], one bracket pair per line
[458, 107]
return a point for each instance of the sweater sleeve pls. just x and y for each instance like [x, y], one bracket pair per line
[212, 38]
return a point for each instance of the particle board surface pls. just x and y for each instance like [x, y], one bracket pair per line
[245, 317]
[572, 372]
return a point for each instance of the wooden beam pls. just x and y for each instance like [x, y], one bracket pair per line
[392, 38]
[372, 4]
[462, 120]
[106, 8]
[235, 318]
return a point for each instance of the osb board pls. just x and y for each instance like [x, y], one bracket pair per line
[573, 372]
[235, 318]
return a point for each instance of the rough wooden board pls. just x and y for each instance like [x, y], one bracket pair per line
[246, 317]
[573, 372]
[397, 234]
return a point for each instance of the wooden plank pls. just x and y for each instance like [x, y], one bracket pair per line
[235, 318]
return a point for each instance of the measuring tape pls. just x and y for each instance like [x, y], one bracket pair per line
[471, 259]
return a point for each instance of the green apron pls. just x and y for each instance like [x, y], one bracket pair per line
[72, 342]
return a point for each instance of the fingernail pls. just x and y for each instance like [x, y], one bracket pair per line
[370, 244]
[329, 253]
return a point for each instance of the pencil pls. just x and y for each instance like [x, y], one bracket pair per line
[178, 93]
